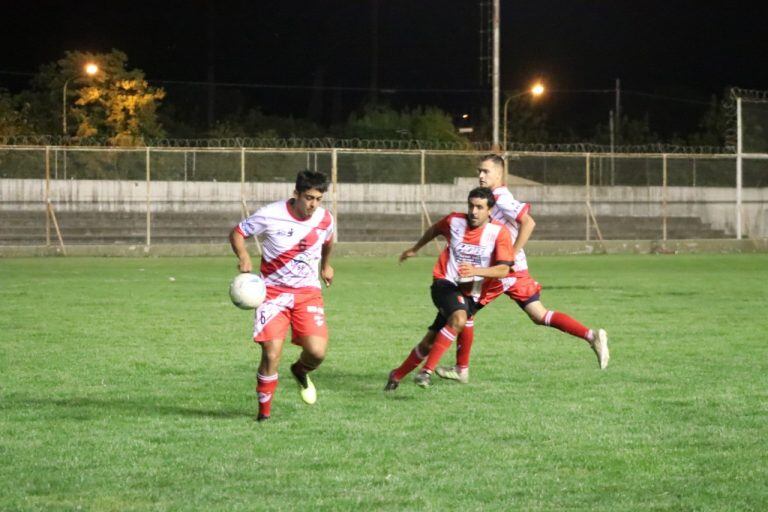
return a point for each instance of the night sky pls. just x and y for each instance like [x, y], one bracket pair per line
[428, 52]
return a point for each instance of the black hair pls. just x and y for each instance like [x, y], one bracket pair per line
[307, 179]
[482, 193]
[494, 158]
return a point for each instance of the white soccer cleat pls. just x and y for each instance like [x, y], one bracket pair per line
[453, 373]
[423, 379]
[600, 347]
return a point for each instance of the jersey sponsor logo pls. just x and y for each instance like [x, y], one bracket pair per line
[469, 253]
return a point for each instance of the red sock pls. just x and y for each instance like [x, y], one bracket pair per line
[464, 344]
[265, 387]
[413, 360]
[567, 324]
[443, 340]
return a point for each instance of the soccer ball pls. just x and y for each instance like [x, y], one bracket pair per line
[247, 291]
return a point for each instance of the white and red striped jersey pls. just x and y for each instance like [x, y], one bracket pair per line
[484, 246]
[509, 211]
[291, 247]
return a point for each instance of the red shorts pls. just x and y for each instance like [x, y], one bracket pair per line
[302, 311]
[518, 286]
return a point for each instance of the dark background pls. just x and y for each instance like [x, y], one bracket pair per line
[314, 58]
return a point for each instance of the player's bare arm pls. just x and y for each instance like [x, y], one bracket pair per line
[495, 272]
[430, 234]
[326, 270]
[237, 241]
[524, 233]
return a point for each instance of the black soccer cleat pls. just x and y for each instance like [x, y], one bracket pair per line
[392, 383]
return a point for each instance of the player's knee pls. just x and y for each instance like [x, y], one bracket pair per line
[457, 320]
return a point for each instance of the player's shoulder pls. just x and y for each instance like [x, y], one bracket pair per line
[323, 217]
[503, 195]
[455, 216]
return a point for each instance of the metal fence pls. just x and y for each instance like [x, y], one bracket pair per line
[64, 194]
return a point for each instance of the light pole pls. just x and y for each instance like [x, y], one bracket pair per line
[90, 70]
[535, 91]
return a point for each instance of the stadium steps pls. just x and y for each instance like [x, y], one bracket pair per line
[28, 227]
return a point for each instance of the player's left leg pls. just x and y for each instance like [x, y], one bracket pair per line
[311, 333]
[312, 355]
[598, 340]
[460, 371]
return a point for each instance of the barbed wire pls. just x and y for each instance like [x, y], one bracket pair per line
[326, 143]
[729, 106]
[752, 95]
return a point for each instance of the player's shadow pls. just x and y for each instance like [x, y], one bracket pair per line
[349, 383]
[85, 408]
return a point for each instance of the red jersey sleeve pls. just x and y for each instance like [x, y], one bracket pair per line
[444, 225]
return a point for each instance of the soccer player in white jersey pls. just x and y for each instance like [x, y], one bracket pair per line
[297, 237]
[519, 285]
[477, 251]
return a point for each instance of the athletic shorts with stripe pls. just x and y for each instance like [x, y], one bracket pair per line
[447, 298]
[302, 311]
[518, 286]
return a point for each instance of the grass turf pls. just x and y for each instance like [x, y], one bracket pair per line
[121, 389]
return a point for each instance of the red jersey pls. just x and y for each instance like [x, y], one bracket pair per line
[484, 246]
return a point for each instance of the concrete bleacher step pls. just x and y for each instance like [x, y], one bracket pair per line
[28, 227]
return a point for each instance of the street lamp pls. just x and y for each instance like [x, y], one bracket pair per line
[535, 91]
[90, 70]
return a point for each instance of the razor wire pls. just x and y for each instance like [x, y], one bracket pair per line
[327, 143]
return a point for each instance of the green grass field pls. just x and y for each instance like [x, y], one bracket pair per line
[121, 389]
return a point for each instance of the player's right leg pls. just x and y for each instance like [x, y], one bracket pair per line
[271, 323]
[266, 377]
[445, 336]
[414, 359]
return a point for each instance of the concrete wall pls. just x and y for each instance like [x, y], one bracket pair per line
[712, 204]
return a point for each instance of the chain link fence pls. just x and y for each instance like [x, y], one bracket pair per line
[155, 195]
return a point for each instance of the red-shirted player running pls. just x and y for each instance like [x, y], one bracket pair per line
[477, 249]
[297, 237]
[519, 285]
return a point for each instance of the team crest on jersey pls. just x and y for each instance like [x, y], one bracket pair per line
[461, 299]
[284, 232]
[301, 265]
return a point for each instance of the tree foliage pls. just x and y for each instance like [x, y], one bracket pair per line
[116, 103]
[376, 121]
[14, 117]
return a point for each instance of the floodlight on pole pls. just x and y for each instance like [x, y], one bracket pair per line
[536, 91]
[90, 69]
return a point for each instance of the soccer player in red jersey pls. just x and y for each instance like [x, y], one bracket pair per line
[297, 238]
[518, 285]
[477, 250]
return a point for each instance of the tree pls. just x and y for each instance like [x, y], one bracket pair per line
[524, 122]
[13, 117]
[713, 125]
[377, 121]
[115, 103]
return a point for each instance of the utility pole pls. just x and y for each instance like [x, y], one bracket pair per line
[374, 51]
[617, 110]
[211, 74]
[496, 70]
